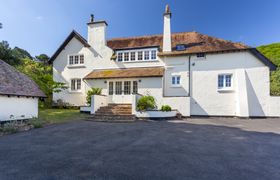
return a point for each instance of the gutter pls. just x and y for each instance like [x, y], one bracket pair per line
[189, 75]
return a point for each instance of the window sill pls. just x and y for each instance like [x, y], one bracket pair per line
[226, 90]
[143, 61]
[176, 86]
[76, 66]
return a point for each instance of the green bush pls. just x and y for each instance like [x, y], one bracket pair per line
[9, 127]
[93, 91]
[36, 123]
[165, 108]
[146, 103]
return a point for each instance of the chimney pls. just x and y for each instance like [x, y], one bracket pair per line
[96, 32]
[167, 30]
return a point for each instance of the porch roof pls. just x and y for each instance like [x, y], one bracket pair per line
[126, 73]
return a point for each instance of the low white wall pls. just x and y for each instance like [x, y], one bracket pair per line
[17, 108]
[181, 104]
[98, 101]
[274, 106]
[156, 114]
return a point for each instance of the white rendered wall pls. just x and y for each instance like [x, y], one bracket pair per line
[207, 100]
[98, 58]
[16, 108]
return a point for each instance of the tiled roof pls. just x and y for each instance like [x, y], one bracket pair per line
[15, 83]
[126, 73]
[194, 42]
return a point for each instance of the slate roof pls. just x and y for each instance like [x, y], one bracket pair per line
[126, 73]
[12, 82]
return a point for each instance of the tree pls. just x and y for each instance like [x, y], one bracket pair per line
[7, 54]
[1, 25]
[21, 53]
[43, 58]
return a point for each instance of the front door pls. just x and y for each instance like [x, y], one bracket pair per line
[119, 92]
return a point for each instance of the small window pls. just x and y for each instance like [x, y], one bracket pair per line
[75, 84]
[81, 59]
[111, 88]
[132, 56]
[135, 87]
[140, 55]
[76, 59]
[153, 54]
[118, 88]
[147, 55]
[126, 56]
[224, 81]
[180, 47]
[120, 56]
[176, 80]
[200, 55]
[71, 60]
[127, 87]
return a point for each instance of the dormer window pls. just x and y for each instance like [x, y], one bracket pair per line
[180, 47]
[76, 59]
[147, 54]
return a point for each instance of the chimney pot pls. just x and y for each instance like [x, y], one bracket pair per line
[91, 18]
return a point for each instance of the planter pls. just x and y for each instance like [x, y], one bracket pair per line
[156, 114]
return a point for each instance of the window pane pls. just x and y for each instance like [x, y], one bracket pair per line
[228, 80]
[221, 81]
[76, 59]
[200, 55]
[71, 60]
[132, 56]
[81, 59]
[178, 79]
[126, 56]
[153, 54]
[140, 55]
[118, 88]
[127, 87]
[78, 84]
[173, 80]
[111, 88]
[147, 55]
[120, 56]
[73, 82]
[135, 87]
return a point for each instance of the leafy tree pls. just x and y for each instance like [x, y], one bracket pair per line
[42, 75]
[1, 25]
[19, 53]
[7, 54]
[43, 58]
[272, 51]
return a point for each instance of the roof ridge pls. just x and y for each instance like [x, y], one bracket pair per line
[147, 36]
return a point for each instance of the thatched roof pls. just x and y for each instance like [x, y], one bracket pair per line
[14, 83]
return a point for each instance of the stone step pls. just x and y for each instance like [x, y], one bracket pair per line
[113, 117]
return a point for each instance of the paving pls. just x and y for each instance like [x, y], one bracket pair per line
[199, 148]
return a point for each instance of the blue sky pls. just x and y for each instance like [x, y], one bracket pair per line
[40, 26]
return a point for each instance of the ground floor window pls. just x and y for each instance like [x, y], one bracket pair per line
[224, 81]
[176, 80]
[122, 87]
[75, 84]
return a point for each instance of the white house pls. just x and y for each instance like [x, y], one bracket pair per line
[194, 73]
[18, 94]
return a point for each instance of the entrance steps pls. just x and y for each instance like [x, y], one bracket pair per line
[114, 112]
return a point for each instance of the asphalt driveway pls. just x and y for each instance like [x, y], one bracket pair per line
[192, 149]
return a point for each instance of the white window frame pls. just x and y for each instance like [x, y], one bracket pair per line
[79, 60]
[75, 85]
[176, 84]
[225, 87]
[136, 51]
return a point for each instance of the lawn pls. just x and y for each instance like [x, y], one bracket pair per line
[51, 116]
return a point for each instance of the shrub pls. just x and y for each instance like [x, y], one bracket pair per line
[9, 127]
[93, 91]
[60, 104]
[36, 123]
[146, 103]
[165, 108]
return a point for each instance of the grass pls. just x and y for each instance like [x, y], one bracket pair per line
[51, 116]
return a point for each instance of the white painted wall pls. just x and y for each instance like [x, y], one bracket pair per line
[250, 88]
[17, 108]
